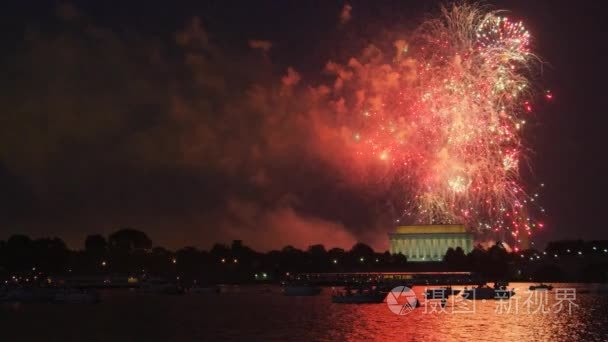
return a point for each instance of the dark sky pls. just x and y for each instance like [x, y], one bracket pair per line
[183, 120]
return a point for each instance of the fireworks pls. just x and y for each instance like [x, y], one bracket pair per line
[447, 118]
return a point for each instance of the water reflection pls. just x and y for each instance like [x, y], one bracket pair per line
[256, 313]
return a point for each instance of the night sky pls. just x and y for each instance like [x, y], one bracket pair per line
[186, 120]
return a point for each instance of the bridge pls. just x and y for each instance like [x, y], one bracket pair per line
[372, 278]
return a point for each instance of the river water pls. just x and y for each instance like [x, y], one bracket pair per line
[262, 313]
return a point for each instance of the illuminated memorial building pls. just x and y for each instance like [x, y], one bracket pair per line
[429, 242]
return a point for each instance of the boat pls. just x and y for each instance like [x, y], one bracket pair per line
[362, 295]
[440, 293]
[498, 291]
[301, 290]
[541, 286]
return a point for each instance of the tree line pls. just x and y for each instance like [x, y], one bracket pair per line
[131, 252]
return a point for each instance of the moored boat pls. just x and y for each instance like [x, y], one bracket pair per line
[362, 295]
